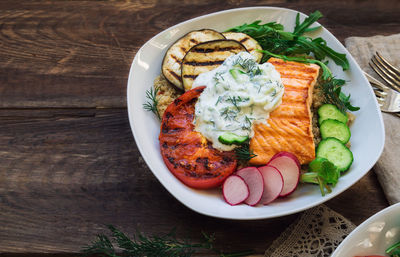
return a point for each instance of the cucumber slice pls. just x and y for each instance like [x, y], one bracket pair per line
[336, 152]
[336, 129]
[330, 111]
[229, 138]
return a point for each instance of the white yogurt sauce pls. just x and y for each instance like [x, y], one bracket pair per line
[237, 94]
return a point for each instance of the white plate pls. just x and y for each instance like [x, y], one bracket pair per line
[367, 132]
[373, 236]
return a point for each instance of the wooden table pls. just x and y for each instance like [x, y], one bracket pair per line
[68, 160]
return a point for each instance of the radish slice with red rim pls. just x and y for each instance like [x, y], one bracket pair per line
[254, 180]
[289, 166]
[235, 190]
[273, 184]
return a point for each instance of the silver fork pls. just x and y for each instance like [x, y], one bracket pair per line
[386, 71]
[388, 99]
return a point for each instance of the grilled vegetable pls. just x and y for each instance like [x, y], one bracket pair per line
[207, 56]
[186, 153]
[250, 43]
[171, 67]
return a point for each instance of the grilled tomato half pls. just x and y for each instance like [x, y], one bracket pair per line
[187, 154]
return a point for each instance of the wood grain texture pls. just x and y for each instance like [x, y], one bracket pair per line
[69, 164]
[67, 173]
[78, 54]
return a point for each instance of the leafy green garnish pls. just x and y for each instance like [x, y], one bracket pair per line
[333, 95]
[394, 250]
[154, 246]
[273, 39]
[321, 172]
[303, 27]
[244, 153]
[151, 104]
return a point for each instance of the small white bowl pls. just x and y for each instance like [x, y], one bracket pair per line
[367, 131]
[373, 236]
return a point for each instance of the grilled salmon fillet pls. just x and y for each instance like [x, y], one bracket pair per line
[289, 126]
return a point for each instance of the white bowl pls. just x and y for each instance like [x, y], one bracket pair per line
[367, 131]
[373, 236]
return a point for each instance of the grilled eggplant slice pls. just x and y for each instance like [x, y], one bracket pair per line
[207, 56]
[171, 67]
[250, 43]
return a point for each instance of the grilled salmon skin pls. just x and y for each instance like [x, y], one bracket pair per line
[289, 126]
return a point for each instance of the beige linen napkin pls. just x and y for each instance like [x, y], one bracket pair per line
[388, 166]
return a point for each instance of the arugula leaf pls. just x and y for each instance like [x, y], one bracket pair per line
[394, 250]
[300, 29]
[321, 172]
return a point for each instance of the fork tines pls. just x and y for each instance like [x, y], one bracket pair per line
[386, 71]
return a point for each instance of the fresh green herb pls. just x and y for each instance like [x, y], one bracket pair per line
[394, 250]
[243, 152]
[301, 28]
[152, 102]
[333, 95]
[274, 40]
[235, 100]
[248, 123]
[228, 114]
[154, 246]
[218, 100]
[321, 172]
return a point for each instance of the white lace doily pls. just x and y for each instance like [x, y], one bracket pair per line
[317, 232]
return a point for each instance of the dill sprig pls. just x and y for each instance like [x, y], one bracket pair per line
[152, 102]
[243, 152]
[153, 246]
[333, 95]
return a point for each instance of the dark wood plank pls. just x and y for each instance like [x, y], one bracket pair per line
[78, 54]
[67, 173]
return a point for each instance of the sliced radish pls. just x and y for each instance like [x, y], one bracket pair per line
[235, 190]
[273, 184]
[289, 166]
[254, 180]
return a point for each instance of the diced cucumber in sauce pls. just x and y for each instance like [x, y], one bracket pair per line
[329, 111]
[336, 129]
[336, 152]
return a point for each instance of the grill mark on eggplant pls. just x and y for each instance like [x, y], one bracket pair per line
[176, 59]
[175, 75]
[210, 63]
[244, 40]
[190, 76]
[217, 49]
[194, 41]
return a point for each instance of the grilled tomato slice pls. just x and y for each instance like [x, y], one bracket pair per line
[187, 154]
